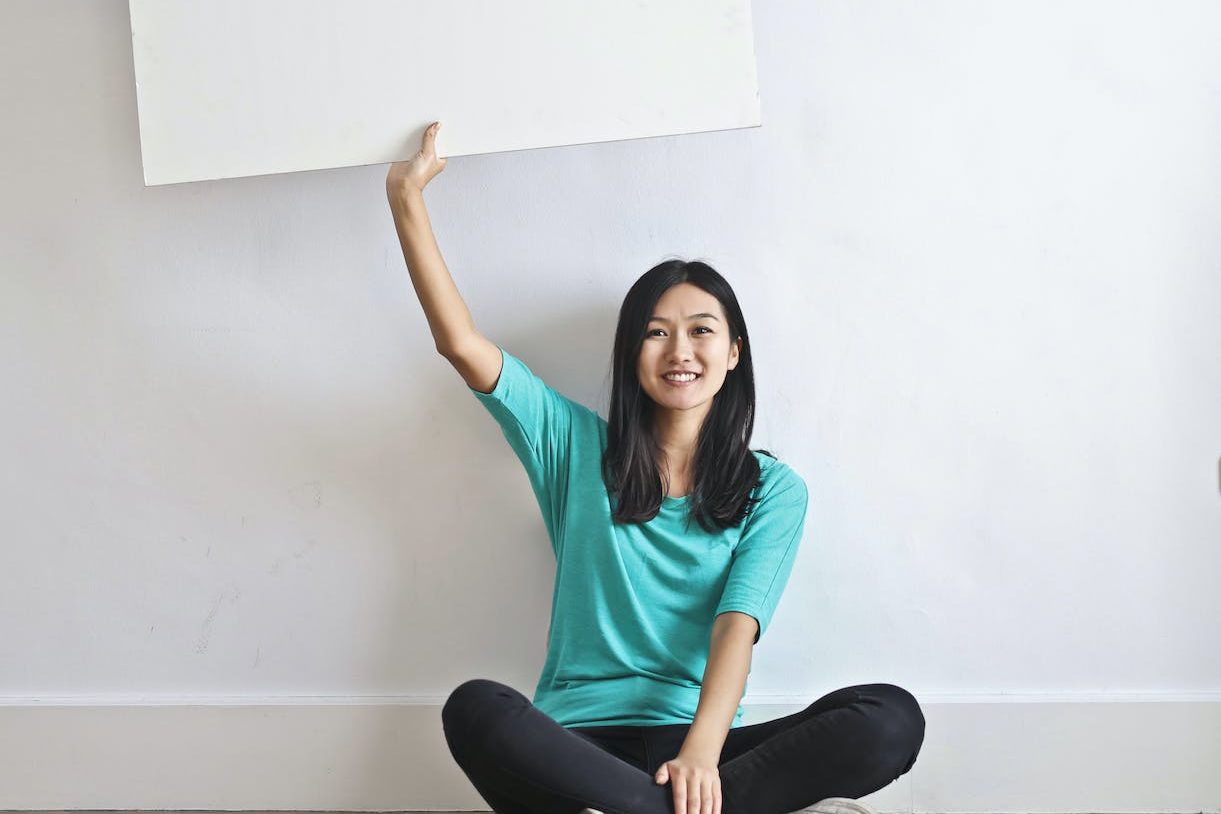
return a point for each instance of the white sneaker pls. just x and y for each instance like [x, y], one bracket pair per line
[841, 805]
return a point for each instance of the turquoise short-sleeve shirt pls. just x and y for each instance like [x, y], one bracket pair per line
[633, 604]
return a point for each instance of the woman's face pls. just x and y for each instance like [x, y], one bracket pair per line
[688, 332]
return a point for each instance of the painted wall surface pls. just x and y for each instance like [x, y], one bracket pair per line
[977, 247]
[234, 88]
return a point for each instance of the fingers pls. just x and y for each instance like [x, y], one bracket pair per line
[683, 801]
[694, 799]
[428, 146]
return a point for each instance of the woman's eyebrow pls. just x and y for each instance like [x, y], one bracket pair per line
[693, 316]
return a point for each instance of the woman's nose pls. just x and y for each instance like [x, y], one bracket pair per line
[681, 348]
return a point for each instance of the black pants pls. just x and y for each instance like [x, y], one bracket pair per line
[849, 743]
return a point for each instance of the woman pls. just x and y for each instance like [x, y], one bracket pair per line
[673, 542]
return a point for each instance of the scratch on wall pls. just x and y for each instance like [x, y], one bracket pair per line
[205, 630]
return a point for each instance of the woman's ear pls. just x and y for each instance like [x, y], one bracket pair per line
[734, 352]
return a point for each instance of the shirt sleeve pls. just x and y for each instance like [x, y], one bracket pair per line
[536, 420]
[764, 555]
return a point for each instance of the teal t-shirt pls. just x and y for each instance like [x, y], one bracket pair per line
[633, 604]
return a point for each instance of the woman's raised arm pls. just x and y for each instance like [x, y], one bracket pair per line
[475, 357]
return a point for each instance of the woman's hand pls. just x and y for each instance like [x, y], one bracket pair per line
[414, 174]
[697, 785]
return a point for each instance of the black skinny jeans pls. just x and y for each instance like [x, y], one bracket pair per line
[849, 743]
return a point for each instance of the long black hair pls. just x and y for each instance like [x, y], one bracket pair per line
[724, 469]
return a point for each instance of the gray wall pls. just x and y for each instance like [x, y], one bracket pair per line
[977, 248]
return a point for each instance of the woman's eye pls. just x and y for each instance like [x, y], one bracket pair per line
[700, 328]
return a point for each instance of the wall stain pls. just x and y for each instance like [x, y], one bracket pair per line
[278, 564]
[306, 495]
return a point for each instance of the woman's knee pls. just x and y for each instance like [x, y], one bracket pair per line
[469, 703]
[903, 722]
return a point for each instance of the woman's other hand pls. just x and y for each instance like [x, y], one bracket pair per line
[695, 784]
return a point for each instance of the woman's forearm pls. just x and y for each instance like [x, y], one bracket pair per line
[448, 317]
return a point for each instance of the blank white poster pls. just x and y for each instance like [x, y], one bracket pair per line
[231, 88]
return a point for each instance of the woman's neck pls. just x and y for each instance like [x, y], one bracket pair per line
[677, 432]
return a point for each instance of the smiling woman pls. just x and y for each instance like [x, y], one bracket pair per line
[653, 616]
[682, 398]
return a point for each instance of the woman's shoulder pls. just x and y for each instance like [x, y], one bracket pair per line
[775, 473]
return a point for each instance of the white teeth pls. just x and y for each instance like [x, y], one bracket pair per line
[682, 377]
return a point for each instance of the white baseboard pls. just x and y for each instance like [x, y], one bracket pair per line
[1148, 754]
